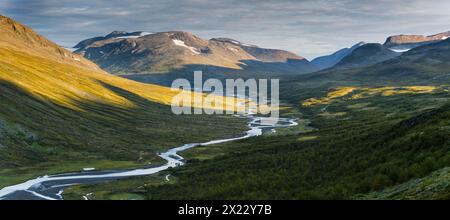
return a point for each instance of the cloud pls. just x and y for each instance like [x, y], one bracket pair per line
[308, 27]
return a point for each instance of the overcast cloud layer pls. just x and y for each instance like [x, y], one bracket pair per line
[307, 27]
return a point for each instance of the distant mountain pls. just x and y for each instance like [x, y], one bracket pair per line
[397, 43]
[262, 54]
[328, 61]
[139, 53]
[429, 63]
[402, 43]
[423, 65]
[366, 55]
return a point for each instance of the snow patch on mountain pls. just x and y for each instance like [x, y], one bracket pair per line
[242, 44]
[141, 34]
[400, 50]
[181, 43]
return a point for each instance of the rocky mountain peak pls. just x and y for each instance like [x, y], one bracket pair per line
[406, 42]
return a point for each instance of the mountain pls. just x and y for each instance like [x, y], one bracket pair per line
[397, 43]
[366, 55]
[429, 63]
[20, 38]
[114, 34]
[137, 53]
[401, 43]
[21, 42]
[59, 112]
[328, 61]
[424, 65]
[262, 54]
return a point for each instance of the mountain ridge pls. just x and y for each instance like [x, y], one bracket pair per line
[329, 61]
[366, 55]
[175, 50]
[20, 37]
[404, 42]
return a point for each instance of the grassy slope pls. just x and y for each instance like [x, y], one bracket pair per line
[434, 186]
[59, 112]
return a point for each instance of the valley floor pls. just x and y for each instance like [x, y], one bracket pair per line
[102, 136]
[373, 147]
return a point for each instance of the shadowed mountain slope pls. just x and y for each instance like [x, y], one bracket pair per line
[366, 55]
[329, 61]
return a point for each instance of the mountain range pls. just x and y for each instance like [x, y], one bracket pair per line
[396, 43]
[374, 65]
[146, 57]
[149, 53]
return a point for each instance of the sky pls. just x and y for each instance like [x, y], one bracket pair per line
[309, 28]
